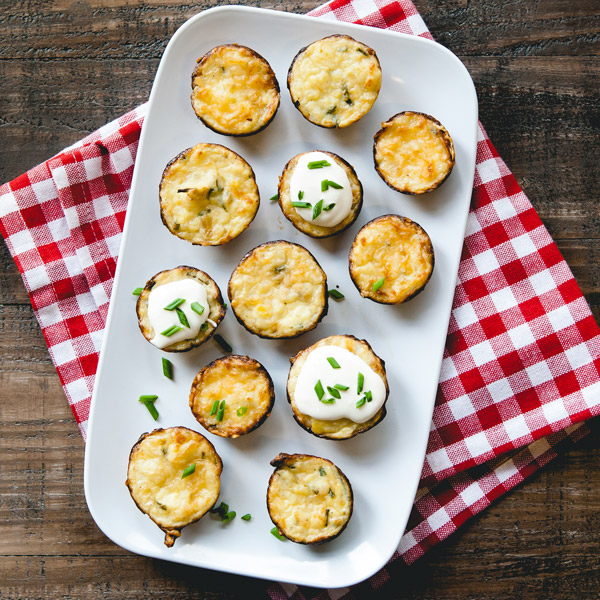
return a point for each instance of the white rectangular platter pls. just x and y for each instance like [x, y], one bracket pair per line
[384, 464]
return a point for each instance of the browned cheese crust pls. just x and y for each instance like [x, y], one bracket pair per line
[213, 295]
[238, 385]
[334, 81]
[278, 290]
[154, 478]
[316, 231]
[234, 90]
[413, 153]
[208, 195]
[395, 249]
[337, 429]
[309, 499]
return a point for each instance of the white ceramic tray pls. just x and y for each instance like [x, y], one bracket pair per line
[384, 464]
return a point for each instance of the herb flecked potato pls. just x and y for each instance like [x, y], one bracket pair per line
[174, 477]
[309, 499]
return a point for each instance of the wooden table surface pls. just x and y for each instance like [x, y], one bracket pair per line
[67, 67]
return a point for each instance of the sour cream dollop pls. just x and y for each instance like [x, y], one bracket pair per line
[160, 319]
[317, 368]
[306, 186]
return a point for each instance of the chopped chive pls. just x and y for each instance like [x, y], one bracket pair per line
[246, 517]
[148, 398]
[167, 366]
[242, 411]
[334, 363]
[334, 185]
[334, 392]
[274, 198]
[300, 194]
[228, 516]
[137, 291]
[319, 389]
[378, 284]
[368, 396]
[317, 208]
[220, 510]
[225, 345]
[171, 330]
[361, 402]
[301, 204]
[362, 51]
[329, 207]
[324, 185]
[339, 386]
[197, 307]
[322, 472]
[177, 302]
[182, 318]
[276, 533]
[188, 470]
[328, 400]
[221, 411]
[361, 383]
[318, 164]
[204, 326]
[149, 404]
[215, 408]
[336, 295]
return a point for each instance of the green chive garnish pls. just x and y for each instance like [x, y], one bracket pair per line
[228, 516]
[148, 398]
[171, 330]
[276, 533]
[204, 326]
[225, 345]
[137, 291]
[329, 207]
[221, 510]
[334, 392]
[177, 302]
[215, 408]
[339, 386]
[361, 383]
[221, 411]
[328, 400]
[188, 470]
[319, 389]
[368, 396]
[197, 307]
[322, 472]
[274, 198]
[317, 208]
[182, 318]
[167, 368]
[324, 185]
[246, 517]
[334, 363]
[242, 411]
[300, 195]
[378, 284]
[318, 164]
[360, 402]
[336, 295]
[301, 204]
[334, 185]
[148, 402]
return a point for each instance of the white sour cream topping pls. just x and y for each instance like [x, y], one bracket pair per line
[317, 368]
[160, 319]
[308, 181]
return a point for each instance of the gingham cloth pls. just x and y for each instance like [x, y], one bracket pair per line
[520, 373]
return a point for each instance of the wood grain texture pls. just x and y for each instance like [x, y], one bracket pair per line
[67, 67]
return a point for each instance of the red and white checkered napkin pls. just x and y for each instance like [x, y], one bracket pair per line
[521, 368]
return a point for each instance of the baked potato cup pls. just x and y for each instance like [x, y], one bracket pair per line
[174, 477]
[234, 90]
[278, 290]
[307, 227]
[232, 396]
[334, 81]
[343, 428]
[413, 153]
[208, 195]
[216, 307]
[391, 259]
[309, 499]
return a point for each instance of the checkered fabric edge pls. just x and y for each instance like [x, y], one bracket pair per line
[521, 360]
